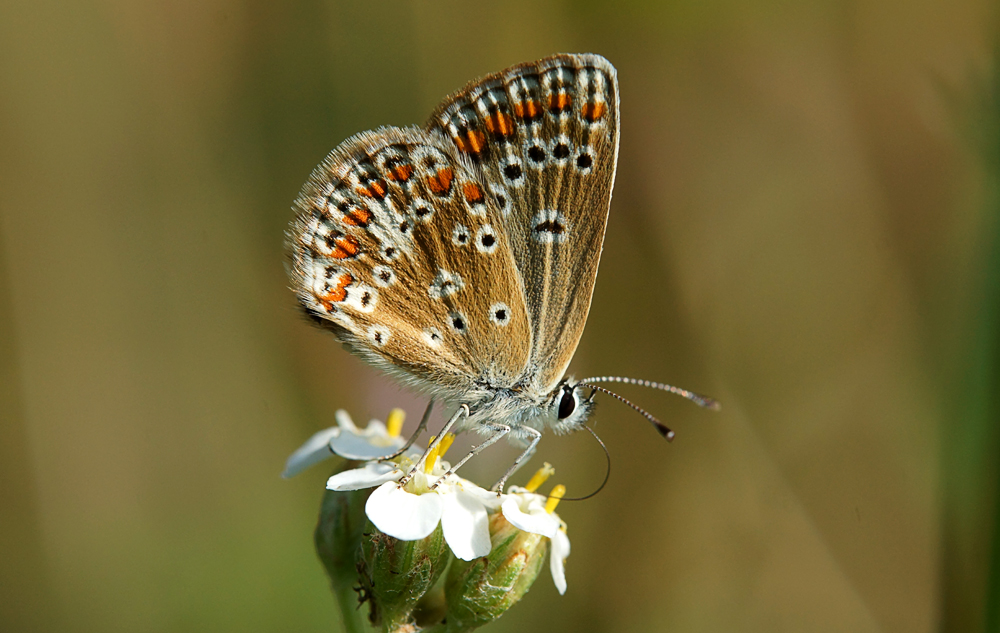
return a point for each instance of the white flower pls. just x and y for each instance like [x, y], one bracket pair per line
[412, 512]
[370, 475]
[526, 511]
[348, 441]
[402, 514]
[557, 559]
[534, 513]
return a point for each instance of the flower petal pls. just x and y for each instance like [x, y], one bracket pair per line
[353, 445]
[557, 560]
[315, 450]
[375, 429]
[465, 524]
[368, 476]
[537, 522]
[488, 498]
[344, 420]
[401, 514]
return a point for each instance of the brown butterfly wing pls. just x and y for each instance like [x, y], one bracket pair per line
[545, 136]
[400, 251]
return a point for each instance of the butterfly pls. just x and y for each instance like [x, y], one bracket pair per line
[461, 257]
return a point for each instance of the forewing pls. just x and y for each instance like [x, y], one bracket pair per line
[545, 136]
[399, 250]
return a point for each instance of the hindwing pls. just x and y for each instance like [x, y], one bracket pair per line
[401, 250]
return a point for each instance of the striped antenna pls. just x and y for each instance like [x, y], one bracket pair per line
[661, 428]
[701, 401]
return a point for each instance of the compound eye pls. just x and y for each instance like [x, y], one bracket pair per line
[567, 405]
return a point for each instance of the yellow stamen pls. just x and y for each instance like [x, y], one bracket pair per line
[445, 444]
[557, 493]
[540, 477]
[432, 455]
[394, 423]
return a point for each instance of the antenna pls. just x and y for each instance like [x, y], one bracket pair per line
[700, 400]
[661, 428]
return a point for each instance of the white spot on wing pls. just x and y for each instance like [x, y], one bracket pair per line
[362, 298]
[561, 148]
[458, 323]
[486, 239]
[379, 335]
[502, 199]
[500, 314]
[593, 86]
[384, 276]
[405, 228]
[423, 211]
[584, 160]
[391, 251]
[536, 153]
[426, 156]
[460, 235]
[512, 171]
[444, 284]
[432, 336]
[549, 226]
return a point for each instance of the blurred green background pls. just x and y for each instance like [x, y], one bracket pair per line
[804, 226]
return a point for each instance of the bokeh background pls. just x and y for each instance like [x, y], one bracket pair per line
[804, 226]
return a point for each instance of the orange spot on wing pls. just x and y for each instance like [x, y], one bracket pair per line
[471, 142]
[375, 189]
[559, 101]
[357, 216]
[400, 173]
[344, 247]
[500, 124]
[440, 183]
[338, 292]
[473, 193]
[593, 111]
[527, 109]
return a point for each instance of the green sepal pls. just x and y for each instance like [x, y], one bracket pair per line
[396, 574]
[338, 533]
[338, 544]
[481, 590]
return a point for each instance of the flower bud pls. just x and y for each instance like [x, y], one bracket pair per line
[338, 543]
[479, 591]
[338, 534]
[396, 574]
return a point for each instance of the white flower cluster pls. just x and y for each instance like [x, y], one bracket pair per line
[413, 511]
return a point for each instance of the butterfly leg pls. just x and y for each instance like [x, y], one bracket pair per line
[413, 438]
[462, 410]
[501, 430]
[536, 435]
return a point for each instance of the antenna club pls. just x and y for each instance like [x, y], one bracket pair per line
[665, 431]
[659, 426]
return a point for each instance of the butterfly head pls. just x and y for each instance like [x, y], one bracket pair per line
[570, 406]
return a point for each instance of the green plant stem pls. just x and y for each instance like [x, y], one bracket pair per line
[991, 352]
[971, 520]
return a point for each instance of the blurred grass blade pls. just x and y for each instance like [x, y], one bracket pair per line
[971, 504]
